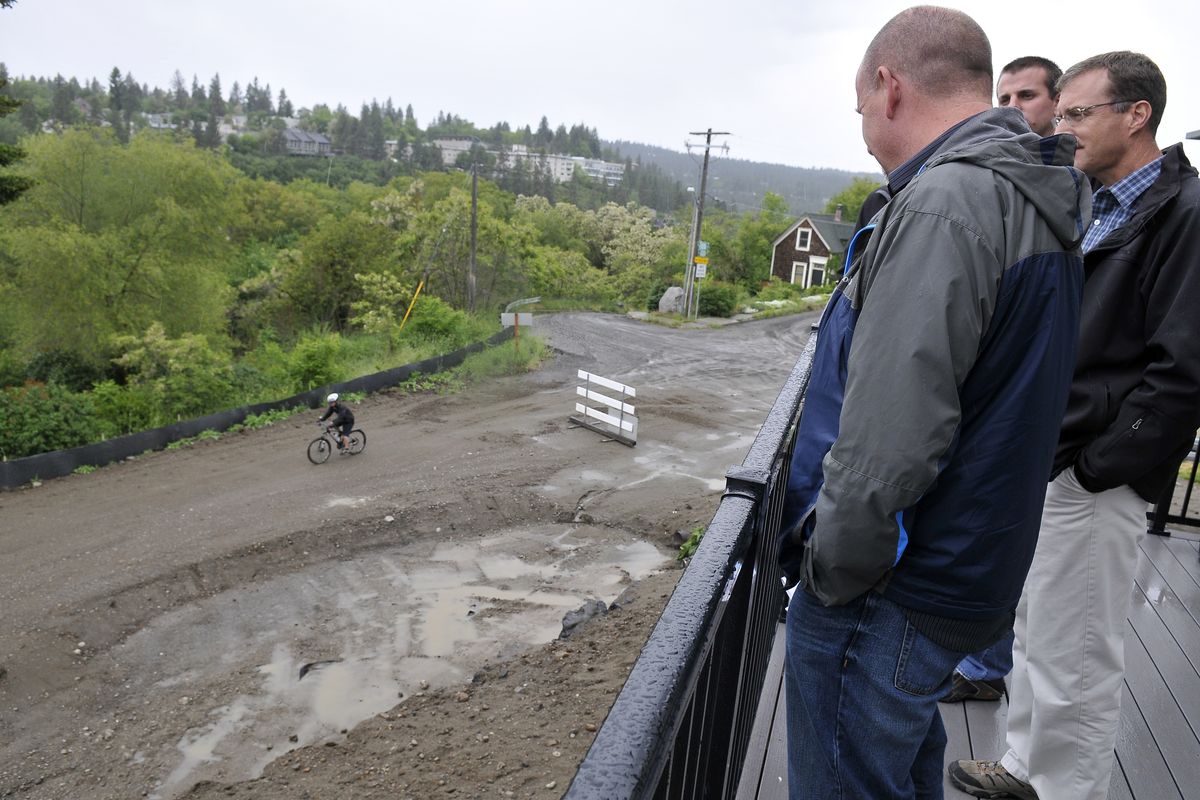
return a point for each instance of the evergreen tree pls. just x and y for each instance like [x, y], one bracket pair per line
[11, 186]
[375, 140]
[30, 119]
[212, 132]
[216, 103]
[132, 102]
[116, 104]
[179, 91]
[62, 109]
[235, 97]
[544, 135]
[341, 129]
[285, 105]
[254, 97]
[410, 119]
[358, 138]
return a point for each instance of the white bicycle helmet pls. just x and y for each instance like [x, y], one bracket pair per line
[332, 398]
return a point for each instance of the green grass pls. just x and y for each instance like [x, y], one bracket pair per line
[255, 421]
[85, 469]
[688, 548]
[507, 358]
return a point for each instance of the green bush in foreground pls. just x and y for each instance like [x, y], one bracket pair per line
[718, 299]
[45, 418]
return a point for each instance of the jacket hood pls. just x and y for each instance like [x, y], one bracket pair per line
[1040, 169]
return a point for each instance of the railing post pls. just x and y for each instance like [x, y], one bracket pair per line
[1158, 517]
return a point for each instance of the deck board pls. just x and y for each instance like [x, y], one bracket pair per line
[1158, 740]
[772, 761]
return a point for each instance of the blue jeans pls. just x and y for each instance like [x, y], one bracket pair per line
[991, 663]
[862, 702]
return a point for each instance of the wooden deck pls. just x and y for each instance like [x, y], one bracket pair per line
[1158, 743]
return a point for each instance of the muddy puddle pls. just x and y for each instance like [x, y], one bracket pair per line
[302, 658]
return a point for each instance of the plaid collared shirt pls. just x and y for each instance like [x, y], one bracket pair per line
[1112, 206]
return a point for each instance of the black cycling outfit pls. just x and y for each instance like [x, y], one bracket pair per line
[345, 417]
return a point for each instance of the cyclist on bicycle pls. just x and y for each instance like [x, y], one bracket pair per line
[343, 418]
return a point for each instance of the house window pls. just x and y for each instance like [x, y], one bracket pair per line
[798, 271]
[816, 271]
[803, 238]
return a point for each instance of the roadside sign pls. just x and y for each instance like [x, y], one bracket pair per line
[701, 269]
[701, 259]
[702, 248]
[523, 318]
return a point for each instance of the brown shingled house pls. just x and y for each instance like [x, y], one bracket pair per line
[801, 254]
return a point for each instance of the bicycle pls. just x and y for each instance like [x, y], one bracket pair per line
[320, 448]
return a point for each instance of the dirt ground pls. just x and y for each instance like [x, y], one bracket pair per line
[229, 620]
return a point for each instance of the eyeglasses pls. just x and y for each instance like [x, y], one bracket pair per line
[1078, 114]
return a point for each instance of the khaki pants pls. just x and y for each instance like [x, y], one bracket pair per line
[1069, 654]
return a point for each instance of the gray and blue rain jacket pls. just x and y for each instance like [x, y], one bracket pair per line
[939, 382]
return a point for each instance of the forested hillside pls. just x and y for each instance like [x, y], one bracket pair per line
[739, 185]
[148, 274]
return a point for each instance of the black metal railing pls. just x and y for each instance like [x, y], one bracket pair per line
[1161, 513]
[681, 725]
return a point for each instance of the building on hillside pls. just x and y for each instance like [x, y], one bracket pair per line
[453, 146]
[801, 254]
[230, 124]
[562, 168]
[159, 122]
[306, 143]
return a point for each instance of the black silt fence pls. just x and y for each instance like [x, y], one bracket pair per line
[20, 471]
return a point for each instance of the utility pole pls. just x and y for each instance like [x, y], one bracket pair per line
[474, 226]
[690, 296]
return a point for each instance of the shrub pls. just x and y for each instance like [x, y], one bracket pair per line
[63, 367]
[188, 375]
[315, 361]
[656, 293]
[12, 369]
[50, 418]
[264, 373]
[778, 290]
[718, 299]
[121, 410]
[433, 318]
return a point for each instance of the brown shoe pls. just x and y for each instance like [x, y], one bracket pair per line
[964, 689]
[989, 779]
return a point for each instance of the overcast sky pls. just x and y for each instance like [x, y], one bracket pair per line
[777, 74]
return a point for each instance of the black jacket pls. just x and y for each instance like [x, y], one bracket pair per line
[342, 413]
[1135, 399]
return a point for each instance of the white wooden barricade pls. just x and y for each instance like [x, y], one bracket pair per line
[613, 417]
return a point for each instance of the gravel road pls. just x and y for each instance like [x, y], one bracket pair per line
[229, 620]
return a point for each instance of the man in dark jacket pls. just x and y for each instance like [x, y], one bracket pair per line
[1133, 409]
[343, 418]
[941, 370]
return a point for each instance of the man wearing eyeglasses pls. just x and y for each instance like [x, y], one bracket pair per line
[1132, 412]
